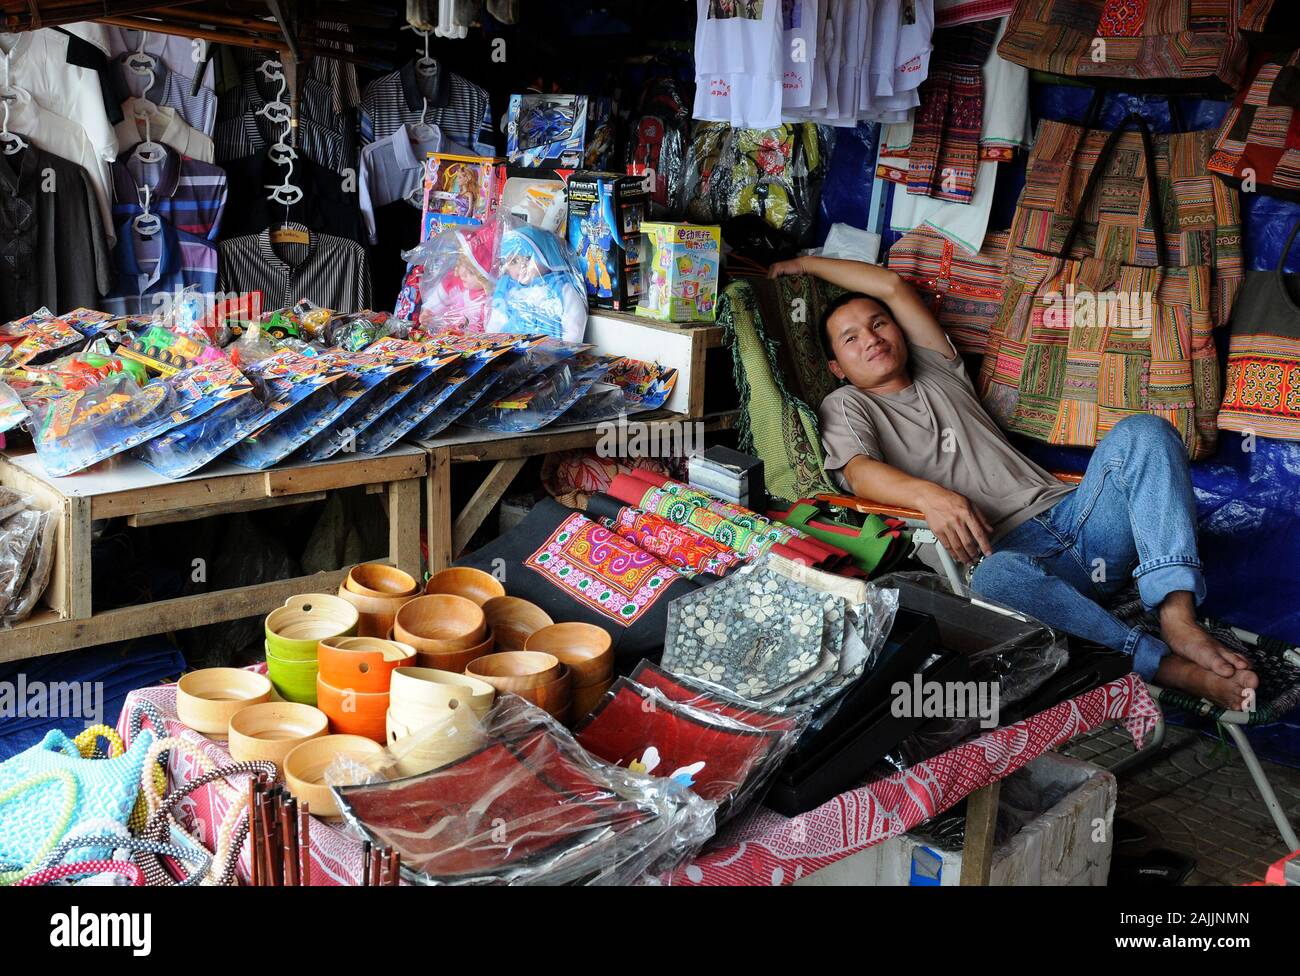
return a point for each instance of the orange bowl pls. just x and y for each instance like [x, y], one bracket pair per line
[362, 663]
[472, 584]
[513, 620]
[585, 648]
[353, 712]
[515, 671]
[378, 580]
[440, 624]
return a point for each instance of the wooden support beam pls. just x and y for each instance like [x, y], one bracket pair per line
[438, 521]
[483, 501]
[146, 519]
[403, 503]
[981, 823]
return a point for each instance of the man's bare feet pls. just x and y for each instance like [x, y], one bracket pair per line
[1184, 675]
[1189, 639]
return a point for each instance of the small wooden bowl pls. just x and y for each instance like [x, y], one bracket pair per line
[515, 671]
[472, 584]
[513, 620]
[378, 580]
[294, 681]
[362, 663]
[457, 661]
[376, 613]
[353, 712]
[305, 765]
[293, 630]
[207, 699]
[431, 688]
[457, 736]
[440, 624]
[271, 730]
[554, 696]
[585, 648]
[586, 699]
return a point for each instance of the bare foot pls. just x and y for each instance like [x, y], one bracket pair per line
[1190, 640]
[1232, 693]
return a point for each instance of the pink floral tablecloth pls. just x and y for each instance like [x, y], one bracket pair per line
[761, 847]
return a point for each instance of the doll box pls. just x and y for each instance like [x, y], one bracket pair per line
[604, 228]
[680, 271]
[458, 191]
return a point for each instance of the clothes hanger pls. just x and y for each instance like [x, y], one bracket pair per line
[13, 142]
[142, 63]
[148, 151]
[280, 152]
[277, 111]
[422, 131]
[425, 65]
[146, 223]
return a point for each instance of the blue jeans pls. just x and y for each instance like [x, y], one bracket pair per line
[1133, 514]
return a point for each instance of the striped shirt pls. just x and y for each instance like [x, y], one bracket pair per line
[187, 193]
[456, 106]
[329, 271]
[182, 55]
[199, 111]
[248, 134]
[329, 201]
[151, 270]
[392, 169]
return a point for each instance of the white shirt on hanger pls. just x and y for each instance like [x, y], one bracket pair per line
[392, 168]
[165, 126]
[38, 63]
[738, 62]
[799, 30]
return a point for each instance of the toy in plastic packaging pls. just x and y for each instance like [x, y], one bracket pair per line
[528, 806]
[164, 351]
[456, 274]
[680, 265]
[540, 289]
[540, 400]
[39, 566]
[536, 201]
[602, 133]
[354, 331]
[458, 191]
[606, 211]
[629, 386]
[304, 401]
[12, 409]
[546, 131]
[36, 337]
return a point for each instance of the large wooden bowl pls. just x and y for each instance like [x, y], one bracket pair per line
[305, 765]
[376, 613]
[362, 663]
[271, 730]
[352, 712]
[472, 584]
[515, 671]
[378, 580]
[585, 648]
[416, 691]
[293, 630]
[440, 624]
[207, 699]
[555, 696]
[513, 620]
[457, 660]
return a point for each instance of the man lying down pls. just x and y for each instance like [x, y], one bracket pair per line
[908, 429]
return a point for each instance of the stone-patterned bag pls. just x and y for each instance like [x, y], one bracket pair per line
[1080, 344]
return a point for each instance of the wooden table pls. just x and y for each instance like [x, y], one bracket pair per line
[130, 489]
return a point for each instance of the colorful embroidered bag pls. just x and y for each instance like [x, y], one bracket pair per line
[1262, 391]
[1257, 140]
[1080, 344]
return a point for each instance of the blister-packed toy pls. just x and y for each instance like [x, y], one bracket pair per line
[540, 401]
[35, 338]
[303, 403]
[628, 386]
[540, 289]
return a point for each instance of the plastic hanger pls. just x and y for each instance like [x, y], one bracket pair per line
[277, 110]
[146, 223]
[286, 193]
[147, 151]
[13, 143]
[422, 131]
[142, 63]
[424, 65]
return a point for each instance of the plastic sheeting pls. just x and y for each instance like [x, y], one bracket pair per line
[846, 194]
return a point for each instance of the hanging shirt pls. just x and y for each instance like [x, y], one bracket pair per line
[187, 193]
[328, 271]
[38, 62]
[457, 107]
[250, 133]
[151, 270]
[392, 169]
[329, 201]
[64, 138]
[165, 126]
[323, 134]
[799, 26]
[738, 63]
[198, 110]
[53, 247]
[183, 56]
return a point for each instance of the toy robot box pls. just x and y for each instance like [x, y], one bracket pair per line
[681, 264]
[546, 131]
[605, 215]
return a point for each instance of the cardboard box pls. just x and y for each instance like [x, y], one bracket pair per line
[681, 271]
[606, 211]
[458, 191]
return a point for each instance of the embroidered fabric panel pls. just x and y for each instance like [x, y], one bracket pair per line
[611, 575]
[687, 551]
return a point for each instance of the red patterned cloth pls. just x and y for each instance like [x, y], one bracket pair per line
[690, 553]
[759, 847]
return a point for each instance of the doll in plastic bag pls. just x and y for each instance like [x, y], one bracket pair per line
[540, 289]
[459, 278]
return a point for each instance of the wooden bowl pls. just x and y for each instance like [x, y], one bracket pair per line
[457, 660]
[293, 630]
[457, 734]
[362, 663]
[512, 620]
[472, 584]
[353, 712]
[305, 765]
[271, 730]
[585, 648]
[586, 699]
[207, 699]
[376, 613]
[554, 696]
[440, 624]
[515, 671]
[294, 681]
[415, 690]
[378, 580]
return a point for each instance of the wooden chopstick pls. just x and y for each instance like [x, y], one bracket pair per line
[304, 844]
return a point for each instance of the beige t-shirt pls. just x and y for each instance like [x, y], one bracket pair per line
[937, 429]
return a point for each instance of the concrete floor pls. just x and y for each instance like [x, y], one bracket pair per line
[1198, 799]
